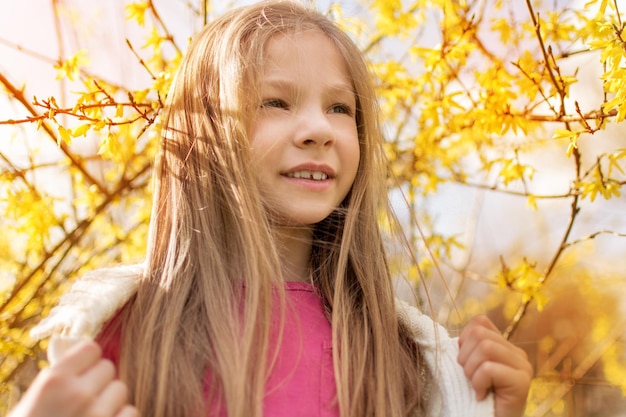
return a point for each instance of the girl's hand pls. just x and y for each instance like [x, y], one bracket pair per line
[80, 384]
[491, 363]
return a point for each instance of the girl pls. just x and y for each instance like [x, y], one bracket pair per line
[265, 289]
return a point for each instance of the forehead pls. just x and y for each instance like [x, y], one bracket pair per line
[307, 54]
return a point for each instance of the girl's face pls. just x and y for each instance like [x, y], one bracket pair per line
[304, 138]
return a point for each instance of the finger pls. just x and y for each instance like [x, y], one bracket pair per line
[79, 358]
[58, 346]
[128, 411]
[482, 379]
[480, 324]
[96, 379]
[510, 385]
[471, 336]
[112, 400]
[490, 350]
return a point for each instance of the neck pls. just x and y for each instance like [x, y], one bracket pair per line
[294, 247]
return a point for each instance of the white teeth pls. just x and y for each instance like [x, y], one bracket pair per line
[308, 175]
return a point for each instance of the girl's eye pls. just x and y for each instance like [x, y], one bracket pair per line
[277, 103]
[341, 108]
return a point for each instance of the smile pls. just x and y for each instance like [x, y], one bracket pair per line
[308, 175]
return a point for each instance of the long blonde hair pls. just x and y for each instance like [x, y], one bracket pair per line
[205, 301]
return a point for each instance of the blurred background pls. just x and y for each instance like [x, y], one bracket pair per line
[507, 165]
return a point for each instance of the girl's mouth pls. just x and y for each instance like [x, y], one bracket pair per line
[308, 175]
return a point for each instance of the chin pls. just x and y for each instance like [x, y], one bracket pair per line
[303, 218]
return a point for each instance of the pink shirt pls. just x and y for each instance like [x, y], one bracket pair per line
[302, 383]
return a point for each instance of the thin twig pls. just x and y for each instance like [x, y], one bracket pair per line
[521, 311]
[140, 59]
[593, 236]
[19, 96]
[79, 113]
[546, 57]
[619, 17]
[168, 34]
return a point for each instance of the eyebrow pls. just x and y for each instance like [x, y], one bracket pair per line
[292, 86]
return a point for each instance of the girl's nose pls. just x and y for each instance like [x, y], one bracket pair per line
[315, 129]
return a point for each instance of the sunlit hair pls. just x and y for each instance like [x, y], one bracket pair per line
[212, 263]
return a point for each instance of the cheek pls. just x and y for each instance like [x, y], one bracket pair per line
[355, 153]
[265, 139]
[351, 159]
[260, 145]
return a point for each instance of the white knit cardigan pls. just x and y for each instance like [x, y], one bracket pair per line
[95, 298]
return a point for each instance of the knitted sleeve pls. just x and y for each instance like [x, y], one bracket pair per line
[82, 311]
[91, 301]
[453, 396]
